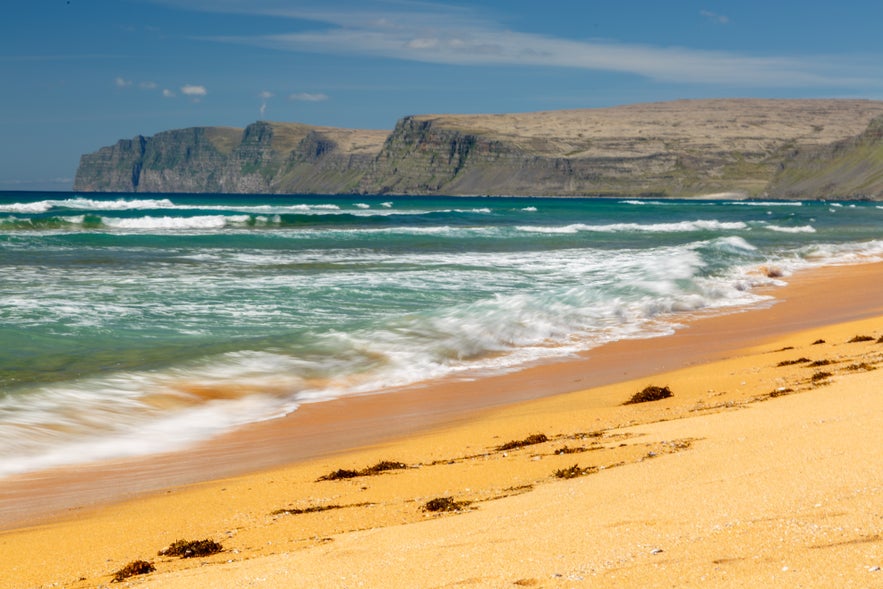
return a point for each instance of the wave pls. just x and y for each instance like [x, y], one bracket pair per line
[45, 206]
[782, 229]
[644, 202]
[575, 300]
[679, 227]
[176, 223]
[765, 203]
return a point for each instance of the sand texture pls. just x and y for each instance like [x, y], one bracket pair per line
[763, 469]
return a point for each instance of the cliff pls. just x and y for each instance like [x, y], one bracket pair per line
[264, 157]
[852, 168]
[680, 148]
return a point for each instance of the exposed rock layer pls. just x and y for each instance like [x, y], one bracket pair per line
[788, 148]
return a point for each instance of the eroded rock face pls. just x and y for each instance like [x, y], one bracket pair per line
[680, 148]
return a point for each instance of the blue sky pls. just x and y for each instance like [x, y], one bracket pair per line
[80, 74]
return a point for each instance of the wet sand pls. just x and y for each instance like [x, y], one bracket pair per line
[449, 423]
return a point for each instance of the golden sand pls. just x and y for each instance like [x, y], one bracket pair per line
[763, 469]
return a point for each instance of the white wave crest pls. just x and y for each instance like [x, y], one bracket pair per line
[782, 229]
[643, 202]
[173, 223]
[680, 227]
[765, 203]
[89, 204]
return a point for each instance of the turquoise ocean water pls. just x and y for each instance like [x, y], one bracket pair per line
[132, 324]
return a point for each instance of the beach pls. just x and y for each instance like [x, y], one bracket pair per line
[762, 468]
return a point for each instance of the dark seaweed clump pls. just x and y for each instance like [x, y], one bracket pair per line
[382, 466]
[650, 393]
[569, 450]
[792, 362]
[818, 341]
[136, 567]
[820, 376]
[860, 338]
[444, 504]
[574, 471]
[528, 441]
[340, 473]
[192, 548]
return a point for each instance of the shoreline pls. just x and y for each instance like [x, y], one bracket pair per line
[757, 471]
[331, 427]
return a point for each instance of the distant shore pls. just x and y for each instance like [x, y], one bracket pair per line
[760, 469]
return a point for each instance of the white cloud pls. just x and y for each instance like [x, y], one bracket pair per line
[266, 95]
[122, 82]
[431, 32]
[168, 93]
[308, 97]
[193, 91]
[714, 17]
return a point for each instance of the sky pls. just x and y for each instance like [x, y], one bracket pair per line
[76, 75]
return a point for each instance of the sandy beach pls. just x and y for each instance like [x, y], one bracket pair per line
[761, 469]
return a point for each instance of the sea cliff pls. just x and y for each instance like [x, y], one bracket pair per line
[778, 148]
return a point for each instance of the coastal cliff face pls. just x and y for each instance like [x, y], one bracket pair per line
[681, 148]
[852, 168]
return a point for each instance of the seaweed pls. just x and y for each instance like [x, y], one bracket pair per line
[860, 338]
[801, 360]
[781, 392]
[650, 393]
[192, 548]
[861, 366]
[569, 450]
[340, 473]
[444, 504]
[573, 472]
[313, 509]
[382, 466]
[824, 362]
[528, 441]
[136, 567]
[820, 376]
[818, 341]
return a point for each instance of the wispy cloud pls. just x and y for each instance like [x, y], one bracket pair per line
[168, 93]
[308, 97]
[192, 90]
[715, 17]
[122, 82]
[438, 33]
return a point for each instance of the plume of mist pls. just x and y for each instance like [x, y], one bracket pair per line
[264, 96]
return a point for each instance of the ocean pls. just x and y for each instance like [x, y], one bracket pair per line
[136, 324]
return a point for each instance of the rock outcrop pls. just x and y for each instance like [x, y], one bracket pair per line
[681, 148]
